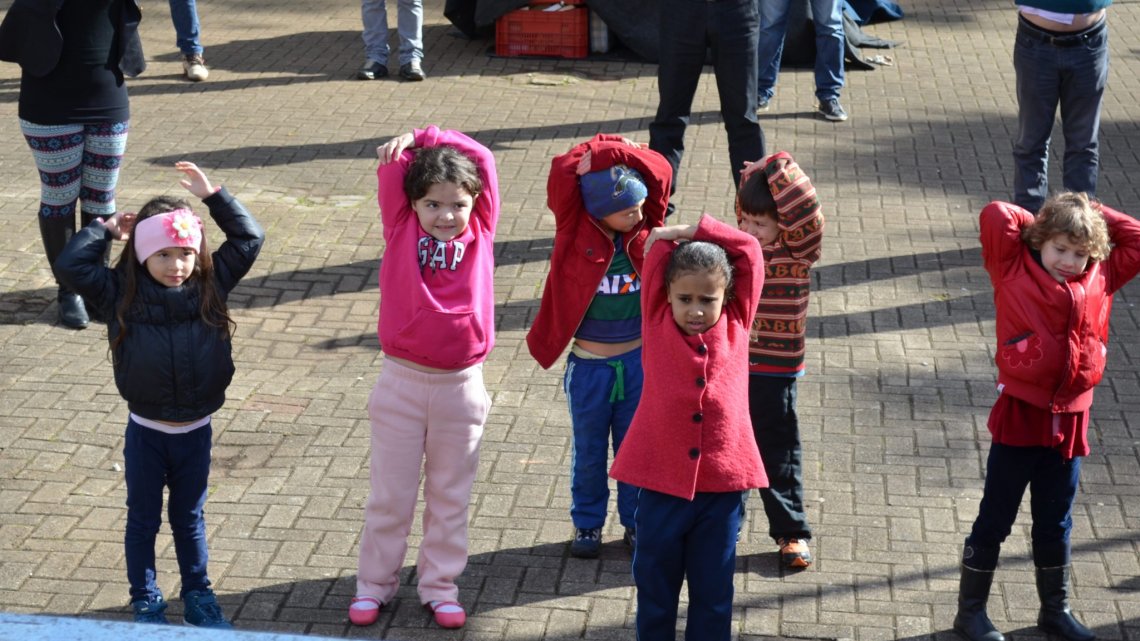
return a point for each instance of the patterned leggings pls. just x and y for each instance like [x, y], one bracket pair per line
[77, 162]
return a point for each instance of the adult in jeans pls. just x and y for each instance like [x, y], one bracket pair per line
[410, 29]
[74, 111]
[689, 29]
[827, 17]
[184, 15]
[1060, 56]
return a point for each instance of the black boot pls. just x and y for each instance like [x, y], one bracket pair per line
[55, 232]
[1055, 615]
[92, 309]
[972, 621]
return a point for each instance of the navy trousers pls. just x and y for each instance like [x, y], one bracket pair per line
[1052, 481]
[181, 462]
[677, 540]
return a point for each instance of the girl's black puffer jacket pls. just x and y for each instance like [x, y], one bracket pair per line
[172, 366]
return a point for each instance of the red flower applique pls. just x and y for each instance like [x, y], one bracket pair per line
[1021, 351]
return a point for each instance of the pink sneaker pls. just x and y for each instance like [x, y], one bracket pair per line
[364, 610]
[448, 614]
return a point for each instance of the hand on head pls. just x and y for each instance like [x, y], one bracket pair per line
[391, 150]
[673, 232]
[753, 167]
[195, 181]
[120, 225]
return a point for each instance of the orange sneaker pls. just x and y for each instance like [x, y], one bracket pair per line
[794, 553]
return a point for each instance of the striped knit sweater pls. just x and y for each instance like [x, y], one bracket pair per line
[777, 338]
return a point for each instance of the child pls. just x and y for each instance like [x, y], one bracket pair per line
[170, 331]
[1053, 276]
[606, 194]
[776, 205]
[690, 448]
[439, 206]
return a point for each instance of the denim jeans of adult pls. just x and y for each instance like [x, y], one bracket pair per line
[689, 29]
[598, 414]
[1072, 77]
[772, 405]
[679, 540]
[830, 44]
[184, 15]
[154, 460]
[1052, 481]
[409, 28]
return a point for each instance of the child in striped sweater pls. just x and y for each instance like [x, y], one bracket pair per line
[776, 204]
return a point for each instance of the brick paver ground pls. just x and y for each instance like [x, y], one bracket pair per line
[893, 408]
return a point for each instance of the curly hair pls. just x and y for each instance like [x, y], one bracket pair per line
[213, 307]
[700, 256]
[1075, 215]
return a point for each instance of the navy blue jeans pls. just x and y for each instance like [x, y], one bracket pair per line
[1052, 481]
[677, 540]
[772, 405]
[1070, 72]
[599, 412]
[181, 462]
[689, 29]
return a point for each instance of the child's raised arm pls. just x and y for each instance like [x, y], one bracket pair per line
[798, 212]
[1001, 225]
[244, 236]
[747, 264]
[1124, 261]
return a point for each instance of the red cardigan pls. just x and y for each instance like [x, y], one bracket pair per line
[692, 432]
[582, 249]
[1051, 336]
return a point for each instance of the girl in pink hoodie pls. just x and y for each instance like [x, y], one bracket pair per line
[439, 204]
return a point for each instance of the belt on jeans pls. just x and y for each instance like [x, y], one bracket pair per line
[1066, 40]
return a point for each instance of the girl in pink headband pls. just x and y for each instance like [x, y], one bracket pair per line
[170, 331]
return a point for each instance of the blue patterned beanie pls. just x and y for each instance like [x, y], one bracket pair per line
[612, 190]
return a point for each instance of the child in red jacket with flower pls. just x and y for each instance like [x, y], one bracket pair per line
[1053, 277]
[690, 448]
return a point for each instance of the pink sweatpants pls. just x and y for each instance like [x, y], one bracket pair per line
[433, 419]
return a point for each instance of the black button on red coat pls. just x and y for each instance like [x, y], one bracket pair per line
[694, 453]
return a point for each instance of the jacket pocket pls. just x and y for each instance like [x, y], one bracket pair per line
[1022, 351]
[445, 339]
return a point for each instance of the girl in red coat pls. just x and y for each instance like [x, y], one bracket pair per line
[690, 448]
[1053, 277]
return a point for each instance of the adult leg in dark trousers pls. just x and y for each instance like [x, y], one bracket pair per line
[689, 29]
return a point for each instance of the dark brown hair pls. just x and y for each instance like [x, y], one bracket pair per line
[441, 164]
[755, 197]
[213, 306]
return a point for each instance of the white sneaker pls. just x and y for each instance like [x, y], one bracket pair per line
[195, 67]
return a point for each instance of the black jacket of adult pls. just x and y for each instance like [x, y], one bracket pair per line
[30, 37]
[171, 366]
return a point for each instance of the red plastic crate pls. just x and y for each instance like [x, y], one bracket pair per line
[529, 32]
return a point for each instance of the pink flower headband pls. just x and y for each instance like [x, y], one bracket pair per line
[178, 228]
